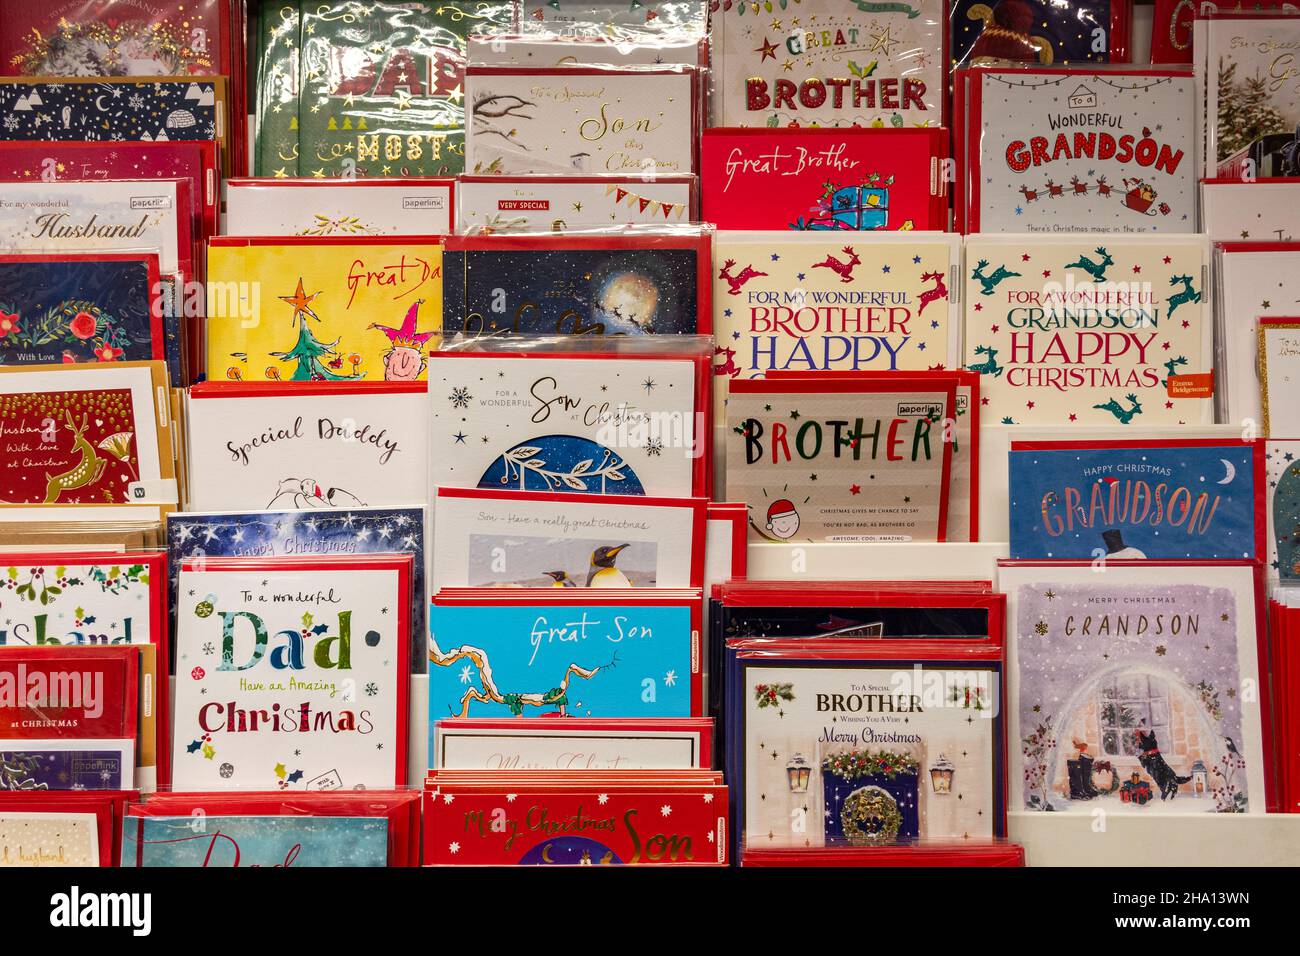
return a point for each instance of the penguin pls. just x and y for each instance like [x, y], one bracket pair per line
[562, 579]
[602, 573]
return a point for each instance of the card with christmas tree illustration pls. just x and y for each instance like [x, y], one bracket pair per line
[567, 422]
[236, 841]
[844, 747]
[79, 308]
[292, 673]
[1052, 150]
[322, 308]
[262, 446]
[1255, 279]
[1137, 690]
[557, 204]
[577, 285]
[1039, 31]
[83, 433]
[1172, 498]
[1282, 507]
[1237, 210]
[339, 207]
[831, 63]
[820, 179]
[311, 530]
[583, 120]
[1095, 329]
[1252, 93]
[841, 459]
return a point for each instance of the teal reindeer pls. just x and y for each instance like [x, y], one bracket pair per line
[1125, 415]
[990, 364]
[1095, 269]
[1188, 294]
[990, 282]
[1171, 369]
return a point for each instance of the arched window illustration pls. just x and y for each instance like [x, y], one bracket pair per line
[1286, 521]
[562, 463]
[1127, 702]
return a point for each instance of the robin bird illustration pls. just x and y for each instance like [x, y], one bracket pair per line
[602, 573]
[561, 578]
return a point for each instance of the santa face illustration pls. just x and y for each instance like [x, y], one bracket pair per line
[403, 364]
[782, 519]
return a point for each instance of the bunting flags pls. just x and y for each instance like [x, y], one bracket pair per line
[625, 197]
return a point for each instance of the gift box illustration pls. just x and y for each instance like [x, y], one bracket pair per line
[852, 207]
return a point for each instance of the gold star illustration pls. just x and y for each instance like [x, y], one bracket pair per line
[319, 173]
[281, 174]
[788, 65]
[882, 40]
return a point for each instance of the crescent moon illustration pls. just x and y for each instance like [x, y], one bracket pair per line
[1231, 469]
[99, 104]
[546, 854]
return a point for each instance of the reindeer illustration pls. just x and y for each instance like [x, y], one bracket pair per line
[1171, 369]
[1095, 269]
[990, 364]
[1080, 187]
[990, 282]
[1125, 415]
[1188, 294]
[86, 472]
[738, 280]
[1029, 194]
[1054, 190]
[729, 366]
[842, 269]
[1103, 187]
[940, 291]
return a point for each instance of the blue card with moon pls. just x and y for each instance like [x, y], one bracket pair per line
[619, 290]
[247, 841]
[315, 530]
[153, 109]
[1134, 500]
[571, 660]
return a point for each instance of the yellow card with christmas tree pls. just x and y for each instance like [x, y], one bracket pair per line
[322, 309]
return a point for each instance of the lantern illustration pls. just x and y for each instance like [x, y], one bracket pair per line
[941, 775]
[1200, 779]
[798, 772]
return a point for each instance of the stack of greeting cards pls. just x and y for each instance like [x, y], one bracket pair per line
[351, 208]
[64, 828]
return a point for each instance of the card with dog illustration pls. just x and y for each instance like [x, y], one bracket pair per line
[1137, 690]
[567, 422]
[841, 458]
[266, 446]
[1077, 150]
[340, 207]
[308, 525]
[578, 285]
[322, 308]
[492, 538]
[1282, 473]
[1175, 498]
[559, 203]
[83, 433]
[292, 673]
[522, 120]
[1090, 329]
[822, 179]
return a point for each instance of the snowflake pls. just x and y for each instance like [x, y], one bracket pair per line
[654, 446]
[209, 648]
[666, 810]
[510, 797]
[708, 798]
[372, 689]
[602, 799]
[454, 847]
[136, 102]
[460, 398]
[670, 679]
[448, 797]
[11, 122]
[1041, 628]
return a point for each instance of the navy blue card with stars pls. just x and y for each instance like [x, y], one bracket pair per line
[1180, 498]
[1041, 31]
[577, 285]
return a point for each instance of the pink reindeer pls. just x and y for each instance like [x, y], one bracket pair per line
[940, 291]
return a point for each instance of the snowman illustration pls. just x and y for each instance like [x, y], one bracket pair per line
[1115, 547]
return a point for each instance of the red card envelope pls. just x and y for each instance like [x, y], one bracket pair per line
[848, 180]
[59, 693]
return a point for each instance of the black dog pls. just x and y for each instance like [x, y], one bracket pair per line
[1153, 763]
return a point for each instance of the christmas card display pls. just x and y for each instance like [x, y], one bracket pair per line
[1255, 279]
[607, 424]
[1252, 97]
[1173, 498]
[339, 207]
[1279, 374]
[549, 49]
[85, 433]
[564, 120]
[843, 744]
[841, 459]
[370, 828]
[79, 308]
[1052, 151]
[794, 302]
[640, 284]
[304, 528]
[1094, 329]
[312, 647]
[1235, 210]
[307, 445]
[589, 745]
[632, 818]
[824, 179]
[557, 204]
[1038, 31]
[1282, 506]
[530, 652]
[832, 64]
[491, 538]
[322, 309]
[1137, 690]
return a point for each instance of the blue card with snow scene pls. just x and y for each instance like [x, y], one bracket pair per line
[249, 841]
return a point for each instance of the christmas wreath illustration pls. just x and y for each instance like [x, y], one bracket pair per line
[870, 817]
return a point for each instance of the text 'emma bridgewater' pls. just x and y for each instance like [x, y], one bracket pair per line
[326, 429]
